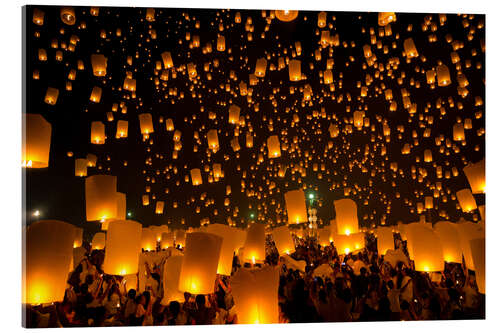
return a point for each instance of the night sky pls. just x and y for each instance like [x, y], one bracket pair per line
[359, 160]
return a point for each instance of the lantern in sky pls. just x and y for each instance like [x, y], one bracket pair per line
[346, 216]
[48, 254]
[427, 250]
[36, 141]
[99, 241]
[99, 64]
[476, 177]
[51, 96]
[255, 293]
[443, 75]
[81, 167]
[167, 240]
[283, 240]
[167, 59]
[466, 200]
[159, 207]
[100, 197]
[385, 240]
[294, 70]
[410, 48]
[95, 95]
[296, 206]
[199, 267]
[146, 123]
[78, 237]
[123, 247]
[466, 232]
[196, 177]
[230, 243]
[180, 237]
[67, 15]
[458, 132]
[286, 15]
[346, 244]
[450, 241]
[221, 43]
[148, 240]
[478, 253]
[234, 114]
[171, 275]
[260, 67]
[97, 133]
[324, 235]
[273, 146]
[121, 129]
[254, 247]
[384, 18]
[213, 140]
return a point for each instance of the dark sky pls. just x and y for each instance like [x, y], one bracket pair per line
[58, 194]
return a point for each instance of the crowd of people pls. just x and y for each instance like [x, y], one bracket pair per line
[361, 287]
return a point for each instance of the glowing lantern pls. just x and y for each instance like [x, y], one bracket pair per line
[254, 248]
[273, 146]
[346, 244]
[468, 231]
[466, 200]
[450, 241]
[260, 67]
[296, 206]
[221, 43]
[146, 123]
[410, 48]
[283, 240]
[321, 19]
[100, 197]
[192, 70]
[386, 18]
[38, 16]
[324, 235]
[385, 240]
[199, 267]
[97, 133]
[167, 59]
[51, 96]
[286, 15]
[123, 247]
[81, 167]
[159, 207]
[148, 240]
[196, 177]
[478, 253]
[92, 160]
[99, 64]
[129, 84]
[234, 114]
[294, 70]
[150, 14]
[443, 75]
[145, 200]
[167, 240]
[68, 15]
[458, 132]
[427, 249]
[36, 143]
[99, 241]
[213, 140]
[169, 124]
[475, 176]
[230, 243]
[78, 239]
[255, 293]
[346, 216]
[171, 275]
[96, 94]
[121, 129]
[48, 254]
[180, 237]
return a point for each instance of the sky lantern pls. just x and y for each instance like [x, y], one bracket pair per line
[123, 247]
[95, 95]
[427, 249]
[286, 15]
[294, 70]
[321, 19]
[254, 248]
[466, 200]
[121, 129]
[273, 146]
[145, 199]
[324, 236]
[36, 141]
[196, 177]
[180, 237]
[169, 124]
[296, 206]
[191, 67]
[468, 231]
[171, 275]
[385, 240]
[346, 244]
[159, 207]
[476, 176]
[478, 253]
[150, 14]
[346, 216]
[146, 123]
[97, 133]
[221, 43]
[99, 64]
[129, 84]
[91, 160]
[450, 241]
[283, 240]
[458, 132]
[213, 140]
[51, 96]
[81, 167]
[100, 197]
[67, 15]
[443, 75]
[199, 267]
[234, 114]
[167, 60]
[99, 241]
[260, 67]
[410, 48]
[78, 239]
[385, 18]
[48, 252]
[148, 240]
[230, 244]
[255, 293]
[167, 240]
[38, 16]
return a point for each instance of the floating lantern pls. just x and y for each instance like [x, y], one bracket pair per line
[97, 133]
[385, 240]
[296, 206]
[99, 64]
[283, 240]
[148, 240]
[180, 237]
[99, 241]
[51, 96]
[167, 60]
[443, 75]
[95, 95]
[92, 160]
[221, 43]
[450, 241]
[146, 123]
[159, 207]
[36, 141]
[100, 197]
[234, 114]
[286, 15]
[213, 140]
[346, 244]
[384, 18]
[475, 176]
[81, 167]
[478, 253]
[324, 235]
[468, 231]
[145, 200]
[121, 129]
[458, 132]
[255, 242]
[346, 216]
[48, 254]
[410, 48]
[167, 240]
[294, 70]
[260, 67]
[426, 248]
[255, 293]
[230, 243]
[199, 267]
[38, 16]
[196, 177]
[171, 279]
[123, 247]
[466, 200]
[273, 147]
[68, 15]
[150, 14]
[129, 84]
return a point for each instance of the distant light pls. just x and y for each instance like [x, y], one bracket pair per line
[252, 215]
[36, 213]
[129, 214]
[311, 196]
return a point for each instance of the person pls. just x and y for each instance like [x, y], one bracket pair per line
[393, 297]
[176, 315]
[202, 315]
[130, 307]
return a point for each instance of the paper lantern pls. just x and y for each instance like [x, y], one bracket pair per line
[196, 177]
[458, 132]
[167, 60]
[260, 67]
[92, 160]
[180, 237]
[95, 95]
[410, 48]
[148, 240]
[199, 267]
[167, 240]
[51, 96]
[192, 70]
[38, 16]
[283, 240]
[324, 235]
[97, 133]
[171, 276]
[145, 200]
[67, 15]
[234, 114]
[294, 70]
[221, 43]
[346, 216]
[273, 147]
[99, 64]
[255, 293]
[81, 167]
[478, 253]
[426, 248]
[466, 200]
[146, 123]
[48, 254]
[346, 244]
[123, 247]
[475, 175]
[296, 206]
[159, 207]
[230, 243]
[121, 129]
[466, 232]
[386, 18]
[100, 197]
[99, 241]
[36, 141]
[385, 240]
[213, 140]
[169, 124]
[255, 242]
[450, 241]
[286, 15]
[129, 84]
[78, 239]
[443, 75]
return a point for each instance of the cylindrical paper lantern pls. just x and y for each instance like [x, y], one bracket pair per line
[346, 244]
[99, 241]
[67, 15]
[283, 240]
[234, 114]
[255, 243]
[159, 207]
[475, 176]
[99, 64]
[146, 123]
[296, 206]
[77, 242]
[450, 241]
[196, 177]
[386, 18]
[167, 240]
[230, 243]
[180, 237]
[427, 248]
[466, 200]
[273, 147]
[324, 235]
[199, 267]
[294, 70]
[49, 250]
[81, 167]
[121, 129]
[97, 133]
[36, 141]
[148, 240]
[171, 275]
[123, 247]
[468, 231]
[443, 75]
[286, 15]
[410, 48]
[213, 139]
[346, 216]
[100, 197]
[260, 67]
[385, 240]
[95, 95]
[167, 59]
